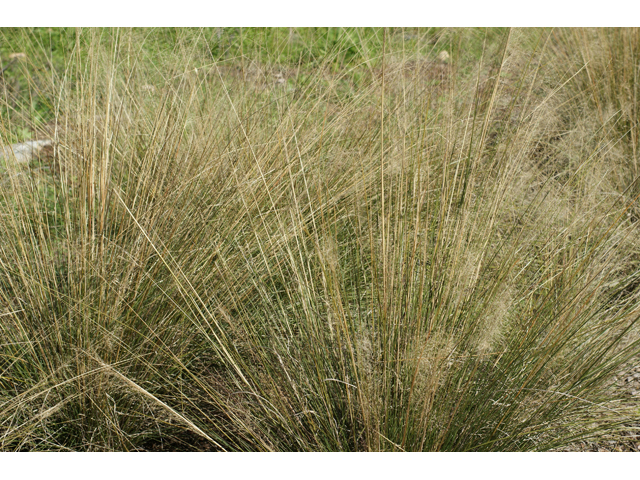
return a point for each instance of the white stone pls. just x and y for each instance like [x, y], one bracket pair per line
[23, 152]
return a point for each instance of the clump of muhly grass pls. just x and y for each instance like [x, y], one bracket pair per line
[389, 266]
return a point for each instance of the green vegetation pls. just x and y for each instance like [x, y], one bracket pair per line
[318, 239]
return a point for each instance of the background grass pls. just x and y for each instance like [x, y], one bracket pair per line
[318, 239]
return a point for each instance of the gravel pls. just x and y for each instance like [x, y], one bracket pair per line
[627, 440]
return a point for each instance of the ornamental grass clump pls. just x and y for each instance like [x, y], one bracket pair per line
[369, 250]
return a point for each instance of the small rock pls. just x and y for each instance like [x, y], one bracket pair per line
[636, 375]
[24, 152]
[629, 379]
[293, 36]
[17, 55]
[443, 56]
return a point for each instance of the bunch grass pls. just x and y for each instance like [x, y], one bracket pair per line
[380, 250]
